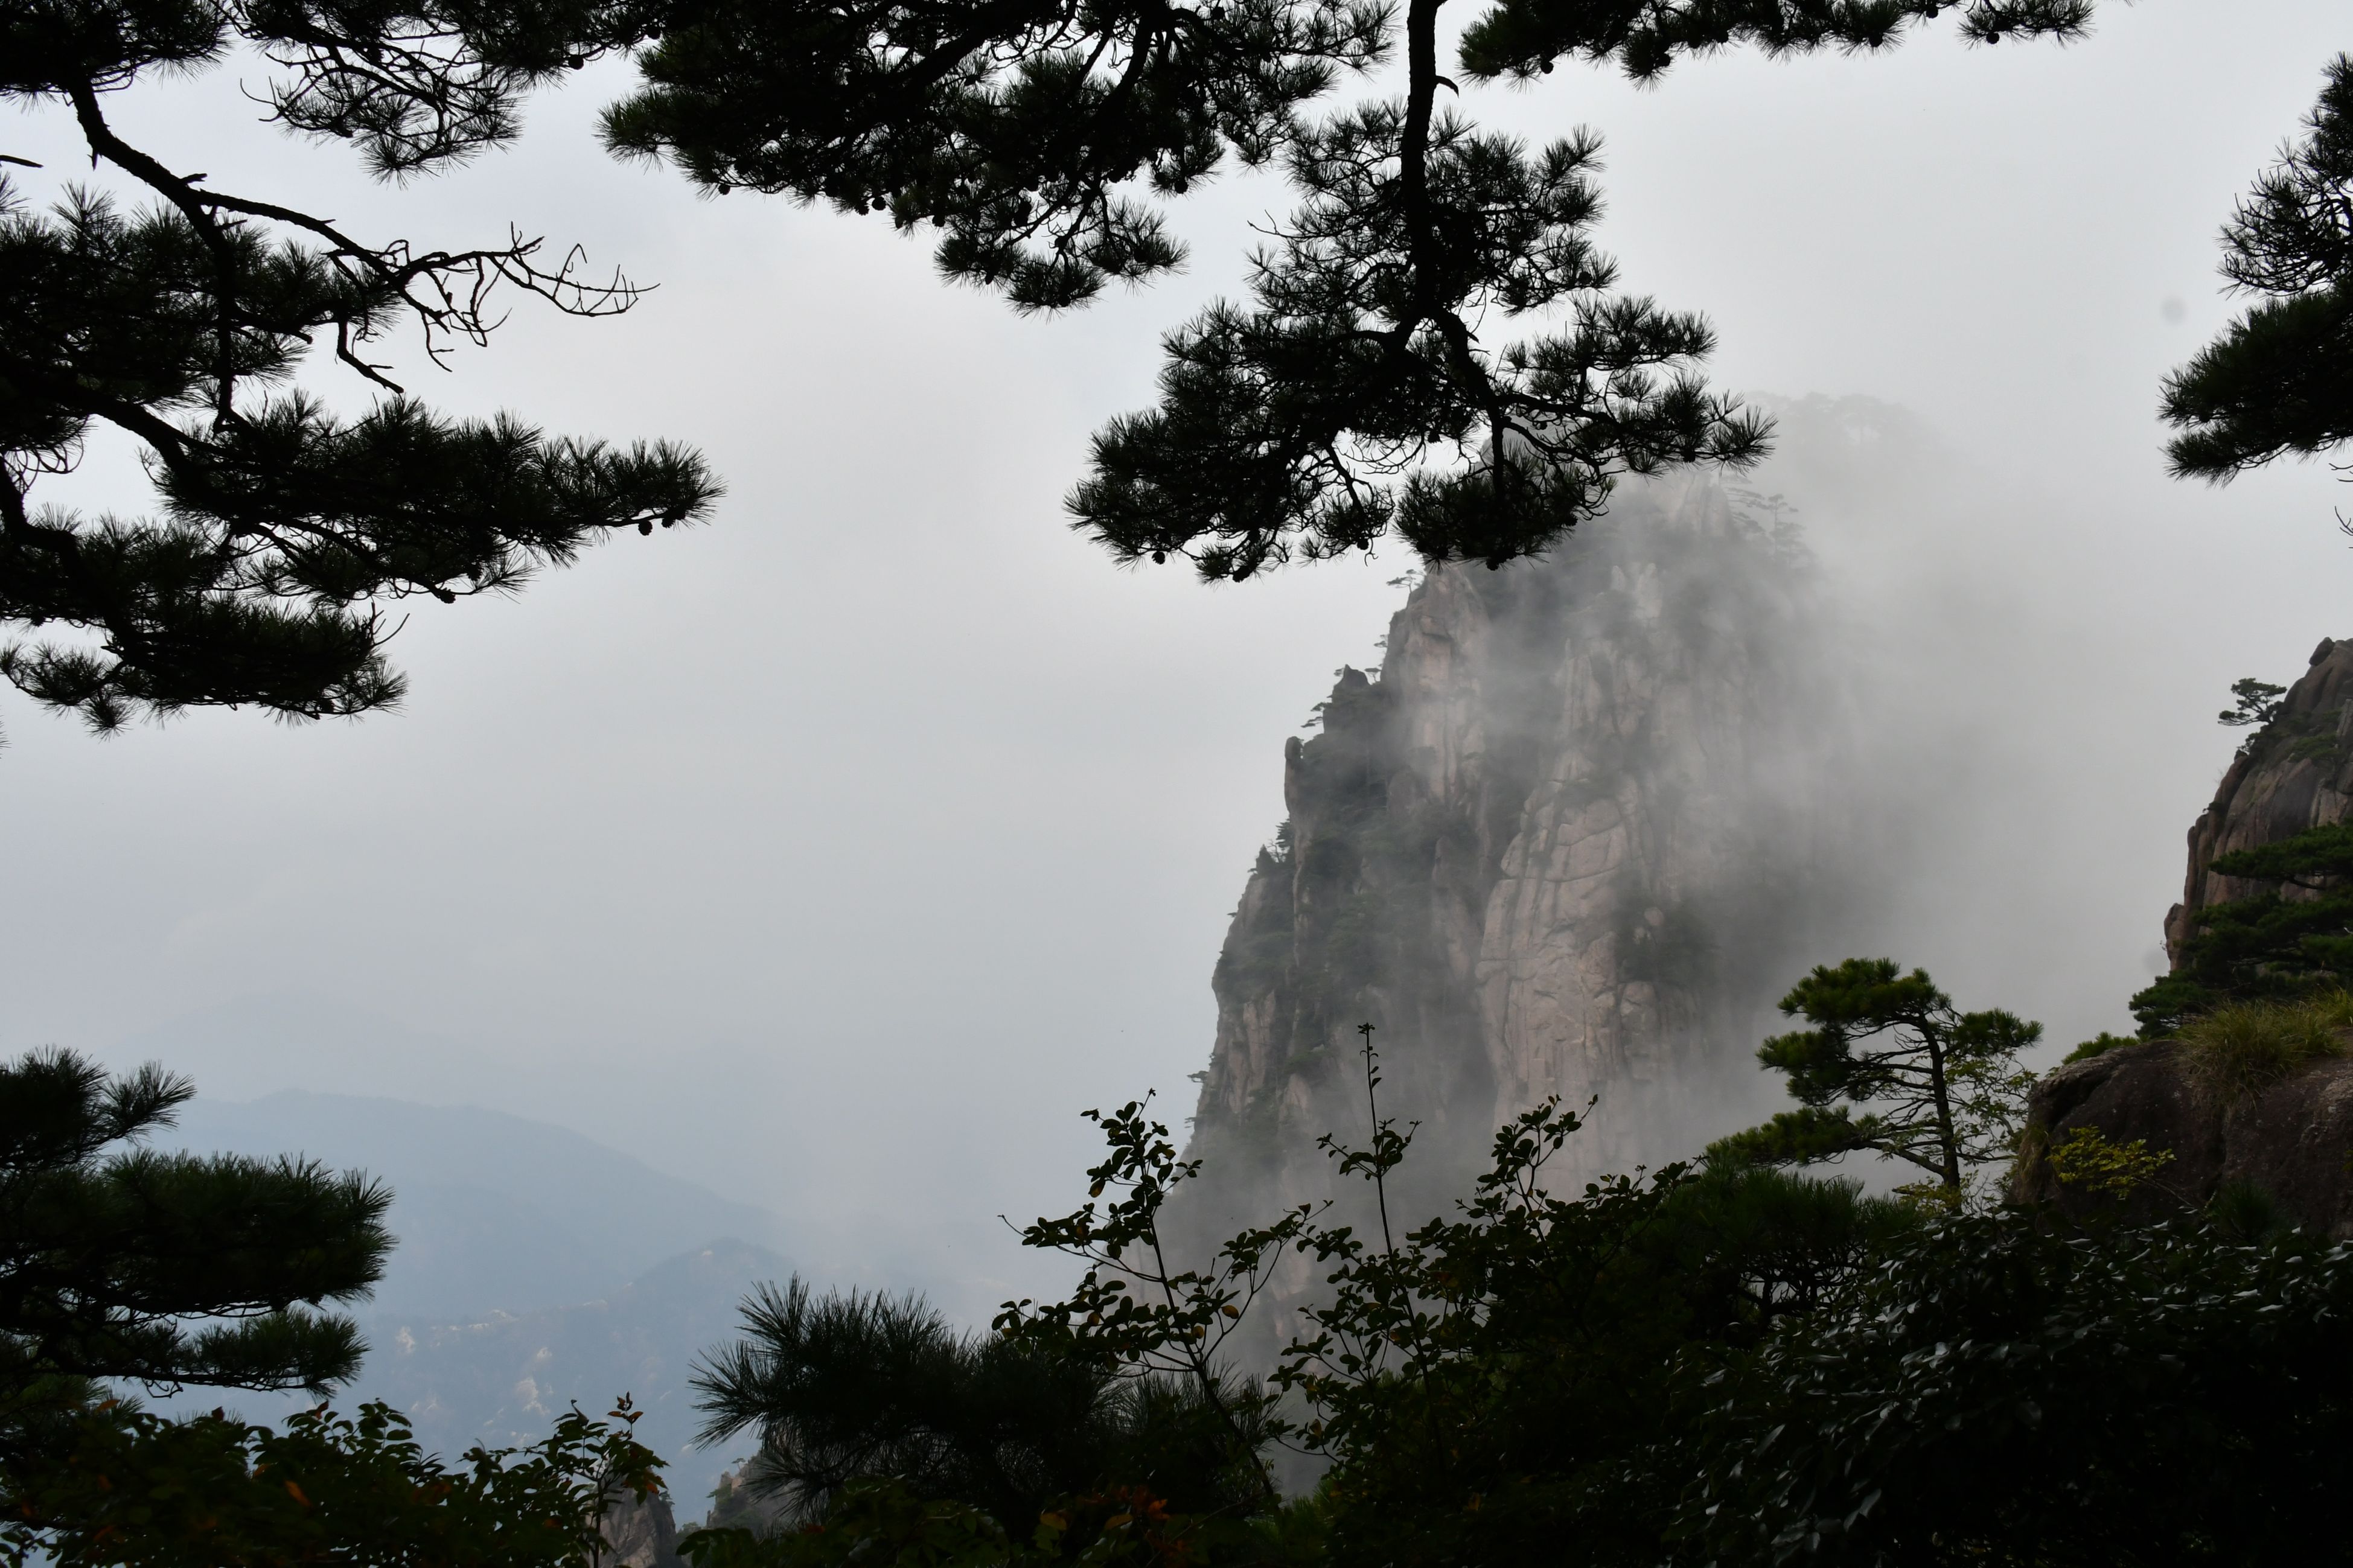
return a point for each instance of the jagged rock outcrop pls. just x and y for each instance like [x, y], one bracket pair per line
[1569, 841]
[2288, 1140]
[501, 1379]
[2297, 772]
[642, 1533]
[736, 1505]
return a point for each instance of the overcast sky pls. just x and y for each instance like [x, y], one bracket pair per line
[839, 852]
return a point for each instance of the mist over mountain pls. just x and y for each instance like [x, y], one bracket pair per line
[492, 1212]
[535, 1269]
[721, 1121]
[1585, 819]
[502, 1379]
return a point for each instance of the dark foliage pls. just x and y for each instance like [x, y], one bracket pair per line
[1137, 1313]
[122, 1264]
[1362, 389]
[1748, 1367]
[1941, 1089]
[2252, 703]
[1012, 129]
[1730, 1366]
[845, 1389]
[860, 1400]
[1479, 1383]
[131, 1489]
[2280, 379]
[1996, 1391]
[1102, 1425]
[284, 529]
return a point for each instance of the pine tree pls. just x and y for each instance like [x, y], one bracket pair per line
[849, 1391]
[1351, 395]
[2280, 379]
[124, 1269]
[2294, 940]
[1939, 1089]
[1364, 388]
[847, 1388]
[122, 1265]
[284, 528]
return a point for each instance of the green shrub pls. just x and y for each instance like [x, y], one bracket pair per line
[2085, 1157]
[2100, 1044]
[2243, 1046]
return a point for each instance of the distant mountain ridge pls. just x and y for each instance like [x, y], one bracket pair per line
[536, 1268]
[501, 1380]
[708, 1126]
[494, 1211]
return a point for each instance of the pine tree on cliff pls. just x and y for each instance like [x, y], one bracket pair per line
[2280, 379]
[1367, 386]
[2266, 946]
[284, 529]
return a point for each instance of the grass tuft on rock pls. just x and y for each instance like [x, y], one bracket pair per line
[2245, 1047]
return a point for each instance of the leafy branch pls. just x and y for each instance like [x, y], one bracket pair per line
[1137, 1313]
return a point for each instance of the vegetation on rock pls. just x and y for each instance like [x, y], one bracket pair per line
[2268, 946]
[1728, 1365]
[1637, 704]
[2099, 1044]
[2241, 1047]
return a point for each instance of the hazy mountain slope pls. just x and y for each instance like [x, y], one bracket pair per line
[721, 1129]
[536, 1267]
[494, 1213]
[502, 1379]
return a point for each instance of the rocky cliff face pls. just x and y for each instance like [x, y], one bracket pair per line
[2287, 1140]
[1567, 841]
[2295, 773]
[642, 1533]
